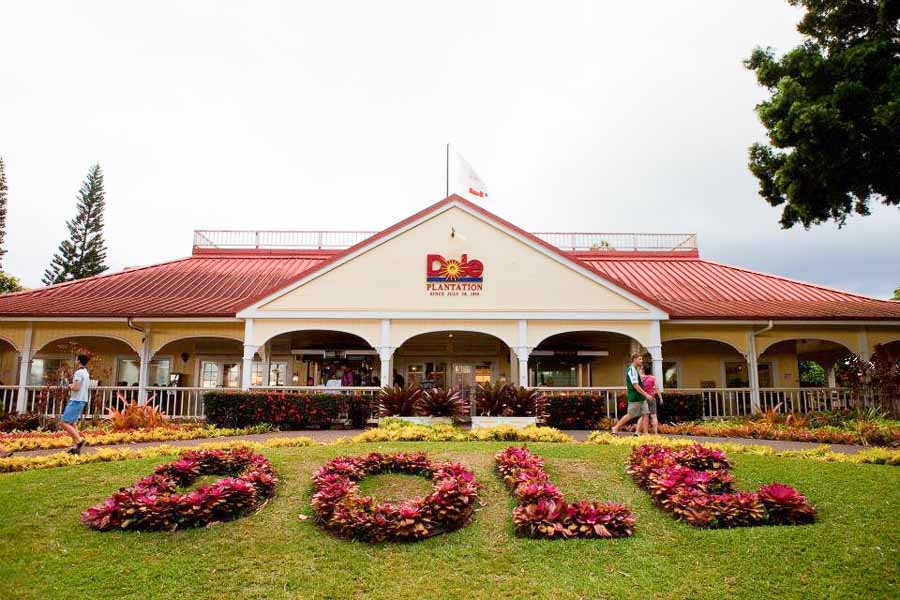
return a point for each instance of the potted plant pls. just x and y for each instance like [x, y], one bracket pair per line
[505, 404]
[440, 405]
[400, 402]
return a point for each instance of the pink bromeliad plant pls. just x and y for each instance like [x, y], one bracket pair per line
[340, 508]
[543, 512]
[153, 502]
[695, 484]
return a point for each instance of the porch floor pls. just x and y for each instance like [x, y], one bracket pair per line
[333, 434]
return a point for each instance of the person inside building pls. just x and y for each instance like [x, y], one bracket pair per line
[347, 377]
[398, 379]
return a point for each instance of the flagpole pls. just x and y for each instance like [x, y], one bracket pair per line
[448, 171]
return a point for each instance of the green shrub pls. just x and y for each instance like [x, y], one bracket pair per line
[286, 410]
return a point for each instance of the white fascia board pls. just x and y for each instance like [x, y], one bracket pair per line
[654, 312]
[479, 315]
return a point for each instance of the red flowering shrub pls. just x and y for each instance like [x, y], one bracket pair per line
[543, 512]
[153, 502]
[340, 508]
[695, 485]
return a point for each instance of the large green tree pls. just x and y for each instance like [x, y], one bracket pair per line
[833, 119]
[897, 293]
[84, 253]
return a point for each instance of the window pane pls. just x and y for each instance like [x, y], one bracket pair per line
[46, 371]
[209, 374]
[160, 369]
[277, 372]
[736, 375]
[765, 375]
[670, 375]
[232, 375]
[128, 371]
[256, 373]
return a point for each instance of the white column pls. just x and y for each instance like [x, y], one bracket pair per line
[656, 355]
[386, 354]
[24, 368]
[247, 366]
[513, 366]
[523, 350]
[753, 372]
[832, 376]
[523, 365]
[144, 373]
[865, 351]
[249, 350]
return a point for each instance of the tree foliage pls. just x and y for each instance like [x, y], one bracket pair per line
[8, 284]
[897, 293]
[833, 119]
[84, 253]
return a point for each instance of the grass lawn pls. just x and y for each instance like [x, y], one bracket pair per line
[852, 552]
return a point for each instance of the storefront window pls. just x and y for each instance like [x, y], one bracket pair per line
[46, 371]
[555, 373]
[128, 372]
[736, 375]
[209, 374]
[670, 375]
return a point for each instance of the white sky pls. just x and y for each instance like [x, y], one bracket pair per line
[334, 115]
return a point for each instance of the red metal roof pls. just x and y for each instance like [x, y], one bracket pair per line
[693, 288]
[219, 283]
[198, 286]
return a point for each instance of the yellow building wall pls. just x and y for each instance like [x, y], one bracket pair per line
[392, 276]
[45, 332]
[162, 334]
[13, 332]
[405, 329]
[641, 331]
[733, 335]
[266, 329]
[879, 336]
[845, 336]
[9, 365]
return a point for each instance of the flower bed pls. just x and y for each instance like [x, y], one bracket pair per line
[793, 428]
[695, 485]
[153, 503]
[395, 430]
[45, 440]
[542, 512]
[340, 508]
[286, 410]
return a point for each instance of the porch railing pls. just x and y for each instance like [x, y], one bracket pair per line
[9, 394]
[804, 400]
[176, 403]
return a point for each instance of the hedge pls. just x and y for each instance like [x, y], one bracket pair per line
[290, 410]
[587, 411]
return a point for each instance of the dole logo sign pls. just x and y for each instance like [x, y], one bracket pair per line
[453, 277]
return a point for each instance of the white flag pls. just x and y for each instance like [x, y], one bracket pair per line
[464, 180]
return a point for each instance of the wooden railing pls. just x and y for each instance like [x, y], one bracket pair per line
[9, 394]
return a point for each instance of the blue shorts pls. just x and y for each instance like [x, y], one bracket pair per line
[73, 411]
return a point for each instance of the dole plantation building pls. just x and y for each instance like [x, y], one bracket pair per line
[451, 296]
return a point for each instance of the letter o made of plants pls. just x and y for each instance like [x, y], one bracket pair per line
[339, 507]
[154, 504]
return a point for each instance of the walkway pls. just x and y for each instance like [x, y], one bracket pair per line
[333, 434]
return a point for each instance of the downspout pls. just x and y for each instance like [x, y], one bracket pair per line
[754, 368]
[144, 372]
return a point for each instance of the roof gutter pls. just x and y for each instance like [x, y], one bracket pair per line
[768, 327]
[131, 325]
